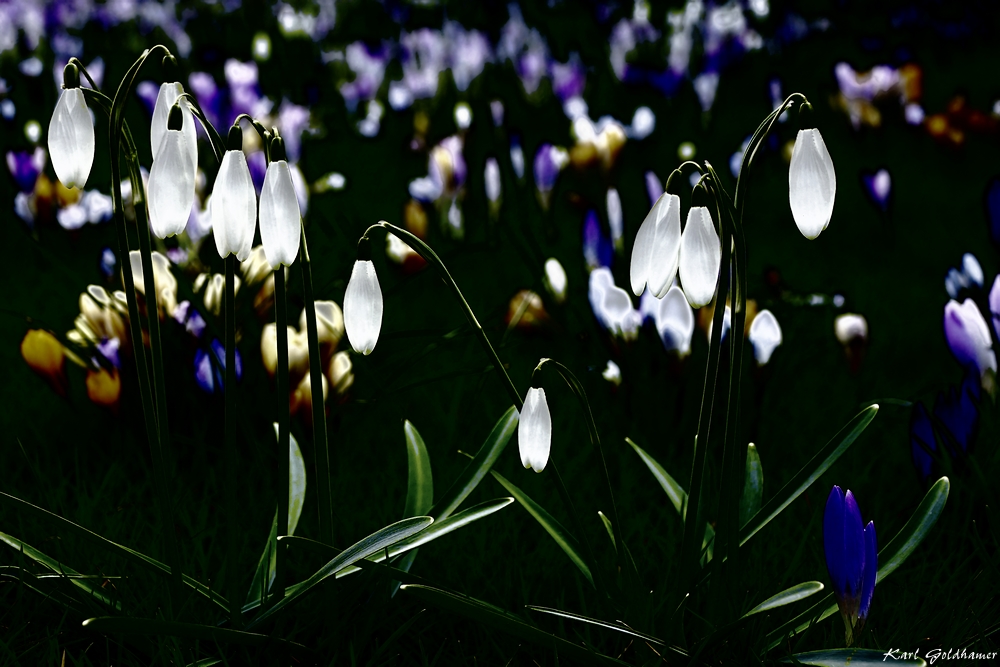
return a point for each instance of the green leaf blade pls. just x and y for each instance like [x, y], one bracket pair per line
[787, 596]
[753, 486]
[420, 482]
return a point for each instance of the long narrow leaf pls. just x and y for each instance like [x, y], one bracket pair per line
[73, 577]
[753, 486]
[436, 530]
[904, 543]
[609, 626]
[787, 596]
[136, 557]
[375, 542]
[809, 473]
[420, 482]
[481, 464]
[562, 537]
[494, 617]
[677, 495]
[156, 627]
[851, 657]
[268, 563]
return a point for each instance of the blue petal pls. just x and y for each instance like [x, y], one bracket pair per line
[957, 411]
[871, 570]
[922, 440]
[833, 539]
[854, 546]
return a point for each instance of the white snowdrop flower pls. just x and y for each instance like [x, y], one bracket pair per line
[812, 183]
[534, 430]
[363, 307]
[700, 257]
[765, 336]
[656, 250]
[71, 133]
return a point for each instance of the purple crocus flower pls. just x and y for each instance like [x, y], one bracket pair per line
[244, 93]
[108, 262]
[293, 120]
[108, 348]
[878, 186]
[210, 368]
[25, 166]
[968, 336]
[851, 559]
[957, 411]
[147, 92]
[258, 169]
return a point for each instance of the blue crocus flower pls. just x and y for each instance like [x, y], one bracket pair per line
[851, 559]
[956, 419]
[922, 442]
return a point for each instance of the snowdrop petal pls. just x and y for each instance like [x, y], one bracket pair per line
[657, 246]
[675, 321]
[234, 206]
[534, 430]
[700, 257]
[171, 186]
[279, 216]
[812, 183]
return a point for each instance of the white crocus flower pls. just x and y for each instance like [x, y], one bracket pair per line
[234, 202]
[363, 307]
[675, 321]
[171, 180]
[279, 210]
[71, 133]
[700, 257]
[657, 247]
[765, 336]
[165, 101]
[534, 430]
[812, 183]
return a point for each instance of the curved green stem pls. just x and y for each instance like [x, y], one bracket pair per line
[218, 145]
[425, 251]
[281, 322]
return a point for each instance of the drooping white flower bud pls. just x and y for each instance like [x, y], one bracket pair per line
[657, 247]
[555, 279]
[280, 226]
[363, 307]
[71, 133]
[234, 201]
[534, 430]
[700, 257]
[171, 181]
[765, 336]
[812, 183]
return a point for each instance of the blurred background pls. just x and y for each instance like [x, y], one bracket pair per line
[509, 135]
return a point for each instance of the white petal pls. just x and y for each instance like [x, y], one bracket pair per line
[675, 321]
[656, 247]
[555, 279]
[279, 216]
[169, 92]
[171, 186]
[701, 257]
[71, 139]
[812, 183]
[849, 327]
[534, 430]
[765, 336]
[234, 206]
[363, 307]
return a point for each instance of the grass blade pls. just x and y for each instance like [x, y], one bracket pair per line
[853, 657]
[68, 574]
[753, 486]
[142, 559]
[787, 596]
[809, 473]
[420, 482]
[156, 627]
[901, 546]
[555, 530]
[375, 542]
[494, 617]
[481, 464]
